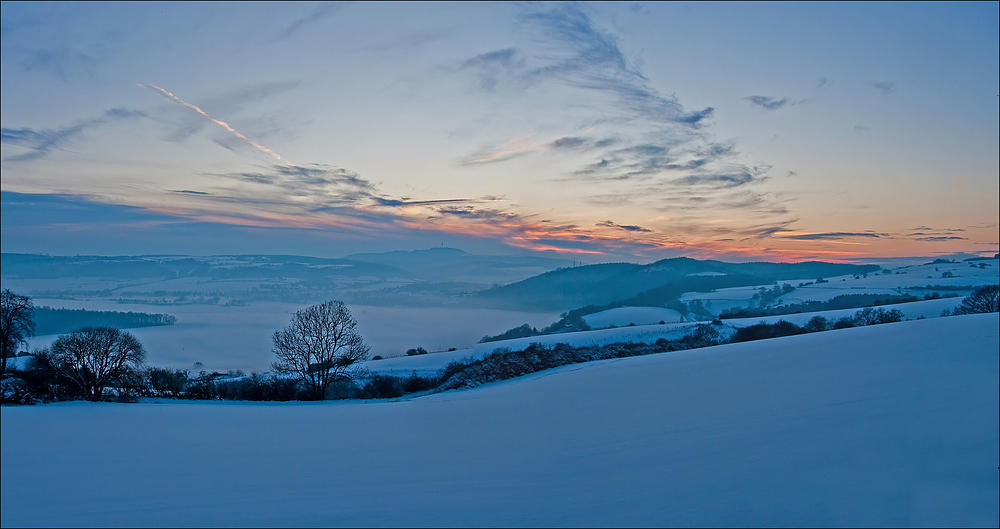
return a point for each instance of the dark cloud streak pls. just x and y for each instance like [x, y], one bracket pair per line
[40, 143]
[770, 103]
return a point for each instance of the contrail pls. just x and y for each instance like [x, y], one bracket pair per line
[222, 124]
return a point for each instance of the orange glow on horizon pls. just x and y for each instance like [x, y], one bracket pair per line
[515, 231]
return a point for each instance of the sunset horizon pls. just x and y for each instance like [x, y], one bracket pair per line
[600, 132]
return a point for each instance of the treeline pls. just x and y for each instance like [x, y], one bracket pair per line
[845, 301]
[572, 321]
[503, 363]
[57, 321]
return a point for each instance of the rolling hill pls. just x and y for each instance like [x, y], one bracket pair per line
[890, 425]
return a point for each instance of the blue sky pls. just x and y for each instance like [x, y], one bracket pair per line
[605, 131]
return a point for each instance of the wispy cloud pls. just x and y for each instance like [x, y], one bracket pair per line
[885, 87]
[42, 142]
[940, 238]
[324, 10]
[626, 227]
[642, 142]
[770, 103]
[582, 55]
[491, 68]
[834, 236]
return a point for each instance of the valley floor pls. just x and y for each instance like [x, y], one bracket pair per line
[887, 425]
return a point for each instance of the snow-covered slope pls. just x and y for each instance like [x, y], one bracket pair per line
[892, 424]
[631, 315]
[431, 364]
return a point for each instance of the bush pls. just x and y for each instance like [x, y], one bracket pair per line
[168, 383]
[764, 330]
[14, 390]
[523, 331]
[816, 324]
[844, 323]
[261, 387]
[382, 387]
[871, 316]
[416, 351]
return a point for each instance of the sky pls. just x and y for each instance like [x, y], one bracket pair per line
[599, 131]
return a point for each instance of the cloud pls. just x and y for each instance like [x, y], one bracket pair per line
[861, 129]
[493, 67]
[644, 143]
[324, 10]
[718, 180]
[312, 185]
[610, 224]
[42, 142]
[392, 202]
[63, 59]
[833, 236]
[822, 82]
[583, 56]
[927, 233]
[885, 87]
[936, 239]
[576, 53]
[568, 142]
[770, 103]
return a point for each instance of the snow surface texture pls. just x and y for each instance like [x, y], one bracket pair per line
[888, 425]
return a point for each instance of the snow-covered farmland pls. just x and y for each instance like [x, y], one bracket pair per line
[900, 280]
[886, 425]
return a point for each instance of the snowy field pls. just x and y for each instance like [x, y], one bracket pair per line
[888, 425]
[631, 315]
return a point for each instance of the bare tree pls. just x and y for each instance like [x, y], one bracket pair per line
[17, 323]
[320, 345]
[983, 299]
[93, 357]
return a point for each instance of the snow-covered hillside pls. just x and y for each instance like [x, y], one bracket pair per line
[430, 364]
[886, 425]
[631, 316]
[907, 279]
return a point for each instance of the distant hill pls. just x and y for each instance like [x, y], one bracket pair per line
[32, 266]
[58, 321]
[453, 265]
[652, 284]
